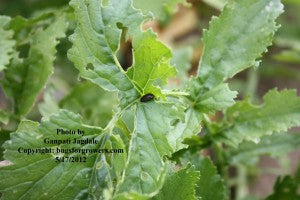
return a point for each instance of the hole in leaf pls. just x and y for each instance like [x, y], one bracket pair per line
[125, 55]
[90, 67]
[120, 25]
[99, 165]
[174, 122]
[144, 176]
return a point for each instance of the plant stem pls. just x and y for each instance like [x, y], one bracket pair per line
[241, 184]
[252, 82]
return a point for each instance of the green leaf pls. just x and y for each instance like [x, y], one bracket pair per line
[96, 41]
[285, 189]
[38, 176]
[149, 140]
[151, 64]
[210, 185]
[182, 61]
[94, 104]
[49, 106]
[118, 160]
[19, 23]
[190, 127]
[274, 145]
[95, 44]
[159, 8]
[208, 101]
[6, 42]
[237, 38]
[179, 185]
[280, 111]
[4, 135]
[24, 79]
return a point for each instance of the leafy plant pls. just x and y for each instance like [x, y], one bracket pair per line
[160, 137]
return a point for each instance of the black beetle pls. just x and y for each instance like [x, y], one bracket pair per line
[147, 97]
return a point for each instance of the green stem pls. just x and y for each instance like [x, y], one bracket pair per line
[241, 184]
[221, 164]
[252, 82]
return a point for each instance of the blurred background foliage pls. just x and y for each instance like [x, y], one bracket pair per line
[179, 24]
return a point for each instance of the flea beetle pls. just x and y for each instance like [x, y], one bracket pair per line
[147, 97]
